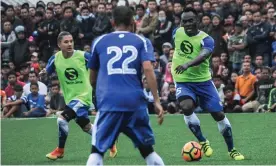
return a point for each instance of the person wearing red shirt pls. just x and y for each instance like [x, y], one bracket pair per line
[12, 81]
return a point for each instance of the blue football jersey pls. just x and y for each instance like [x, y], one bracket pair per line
[118, 57]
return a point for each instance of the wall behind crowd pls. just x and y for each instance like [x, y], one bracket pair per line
[244, 32]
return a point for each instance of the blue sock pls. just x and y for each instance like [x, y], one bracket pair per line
[193, 123]
[226, 131]
[62, 131]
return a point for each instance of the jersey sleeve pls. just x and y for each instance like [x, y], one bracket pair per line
[93, 62]
[40, 102]
[87, 56]
[208, 43]
[147, 53]
[50, 68]
[25, 99]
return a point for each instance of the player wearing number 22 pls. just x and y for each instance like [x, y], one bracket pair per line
[190, 70]
[116, 64]
[71, 68]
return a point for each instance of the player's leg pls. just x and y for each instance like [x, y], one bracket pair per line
[106, 129]
[63, 129]
[187, 98]
[210, 101]
[139, 131]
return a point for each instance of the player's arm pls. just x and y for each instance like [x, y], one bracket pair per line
[17, 102]
[93, 64]
[147, 59]
[50, 68]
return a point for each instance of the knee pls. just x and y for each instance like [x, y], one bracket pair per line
[145, 150]
[84, 123]
[218, 116]
[187, 106]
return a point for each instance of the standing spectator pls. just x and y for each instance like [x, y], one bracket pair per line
[7, 37]
[32, 13]
[19, 48]
[245, 84]
[164, 6]
[33, 79]
[149, 21]
[177, 8]
[166, 52]
[10, 15]
[258, 39]
[12, 81]
[86, 26]
[102, 23]
[58, 12]
[48, 33]
[94, 6]
[163, 31]
[236, 47]
[245, 24]
[27, 21]
[205, 24]
[259, 62]
[140, 12]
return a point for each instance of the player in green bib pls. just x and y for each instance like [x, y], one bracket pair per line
[71, 68]
[191, 72]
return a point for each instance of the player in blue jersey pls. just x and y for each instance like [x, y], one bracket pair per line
[116, 66]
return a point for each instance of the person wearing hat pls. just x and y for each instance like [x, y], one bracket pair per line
[236, 47]
[19, 48]
[166, 52]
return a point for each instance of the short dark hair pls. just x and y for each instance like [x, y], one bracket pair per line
[68, 7]
[151, 1]
[189, 9]
[55, 85]
[140, 7]
[266, 68]
[217, 77]
[227, 88]
[33, 72]
[84, 8]
[61, 35]
[122, 15]
[57, 4]
[34, 84]
[25, 9]
[63, 2]
[9, 7]
[39, 13]
[18, 88]
[50, 9]
[11, 73]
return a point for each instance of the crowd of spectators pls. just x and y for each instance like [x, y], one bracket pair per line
[243, 64]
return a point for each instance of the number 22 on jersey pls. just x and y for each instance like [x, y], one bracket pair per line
[118, 55]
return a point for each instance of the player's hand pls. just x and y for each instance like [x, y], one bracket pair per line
[160, 112]
[181, 68]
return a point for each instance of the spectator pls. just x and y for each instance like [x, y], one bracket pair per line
[34, 62]
[86, 26]
[172, 105]
[10, 15]
[236, 46]
[232, 100]
[177, 8]
[5, 69]
[14, 110]
[166, 52]
[93, 6]
[149, 22]
[34, 100]
[215, 66]
[48, 33]
[257, 37]
[12, 82]
[140, 12]
[245, 24]
[163, 30]
[272, 99]
[57, 102]
[32, 13]
[27, 21]
[245, 84]
[33, 79]
[24, 73]
[167, 80]
[7, 37]
[58, 12]
[149, 97]
[19, 48]
[205, 24]
[259, 61]
[102, 23]
[164, 7]
[263, 87]
[219, 85]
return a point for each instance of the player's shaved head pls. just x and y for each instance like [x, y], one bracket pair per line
[122, 15]
[189, 21]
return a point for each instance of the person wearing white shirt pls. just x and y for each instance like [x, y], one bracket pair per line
[33, 77]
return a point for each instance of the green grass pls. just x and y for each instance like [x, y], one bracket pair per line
[26, 142]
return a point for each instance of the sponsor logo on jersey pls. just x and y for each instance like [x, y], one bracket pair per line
[72, 75]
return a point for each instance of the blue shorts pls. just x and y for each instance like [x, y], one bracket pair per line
[108, 125]
[206, 92]
[79, 108]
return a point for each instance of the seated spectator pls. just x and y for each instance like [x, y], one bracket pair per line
[272, 99]
[168, 79]
[263, 87]
[232, 81]
[34, 100]
[24, 73]
[57, 102]
[172, 105]
[12, 67]
[259, 62]
[274, 73]
[219, 85]
[33, 78]
[232, 100]
[34, 62]
[12, 81]
[258, 73]
[14, 110]
[149, 97]
[245, 84]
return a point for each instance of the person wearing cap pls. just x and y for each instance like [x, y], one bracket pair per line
[166, 52]
[19, 48]
[236, 47]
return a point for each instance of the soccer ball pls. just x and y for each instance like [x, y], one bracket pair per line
[191, 151]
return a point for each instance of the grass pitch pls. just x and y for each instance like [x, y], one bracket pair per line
[26, 142]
